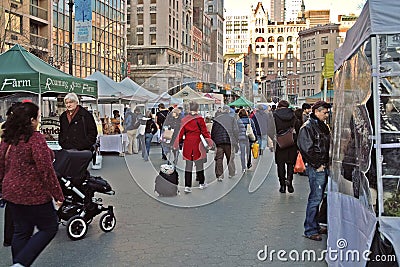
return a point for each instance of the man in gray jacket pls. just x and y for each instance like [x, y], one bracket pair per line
[131, 124]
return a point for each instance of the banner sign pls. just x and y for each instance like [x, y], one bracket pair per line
[238, 72]
[83, 21]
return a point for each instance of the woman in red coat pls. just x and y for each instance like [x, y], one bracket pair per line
[192, 126]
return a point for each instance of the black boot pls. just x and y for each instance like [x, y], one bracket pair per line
[290, 188]
[282, 189]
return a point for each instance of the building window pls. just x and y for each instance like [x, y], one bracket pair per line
[15, 22]
[139, 59]
[153, 18]
[271, 64]
[324, 52]
[140, 39]
[153, 39]
[324, 40]
[153, 59]
[210, 9]
[140, 19]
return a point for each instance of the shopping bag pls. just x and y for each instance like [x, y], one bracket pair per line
[167, 135]
[299, 167]
[250, 133]
[142, 129]
[254, 149]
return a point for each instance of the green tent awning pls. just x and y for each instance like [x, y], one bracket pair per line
[241, 101]
[21, 71]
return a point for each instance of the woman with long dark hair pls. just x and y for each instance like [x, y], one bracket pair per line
[29, 183]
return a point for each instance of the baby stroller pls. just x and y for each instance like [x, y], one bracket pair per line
[80, 205]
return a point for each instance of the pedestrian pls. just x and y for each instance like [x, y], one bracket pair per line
[285, 158]
[306, 111]
[171, 123]
[150, 129]
[29, 184]
[261, 119]
[131, 124]
[193, 152]
[225, 135]
[78, 129]
[244, 141]
[313, 142]
[161, 115]
[116, 121]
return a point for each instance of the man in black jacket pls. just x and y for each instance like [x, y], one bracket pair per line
[78, 129]
[225, 134]
[313, 142]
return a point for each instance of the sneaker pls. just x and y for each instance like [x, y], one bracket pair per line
[203, 186]
[219, 179]
[243, 170]
[249, 166]
[315, 237]
[188, 189]
[231, 175]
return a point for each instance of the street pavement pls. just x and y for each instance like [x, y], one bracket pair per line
[230, 223]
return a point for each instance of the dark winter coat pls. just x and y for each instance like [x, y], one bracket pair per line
[191, 127]
[242, 125]
[81, 133]
[225, 130]
[172, 123]
[313, 141]
[151, 126]
[285, 119]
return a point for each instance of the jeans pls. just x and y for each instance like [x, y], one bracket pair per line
[27, 246]
[317, 181]
[262, 141]
[199, 172]
[245, 153]
[228, 151]
[145, 142]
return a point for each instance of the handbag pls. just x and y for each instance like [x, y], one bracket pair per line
[203, 139]
[285, 139]
[299, 167]
[167, 135]
[142, 129]
[250, 133]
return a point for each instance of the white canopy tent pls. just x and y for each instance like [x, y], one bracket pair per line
[137, 89]
[365, 141]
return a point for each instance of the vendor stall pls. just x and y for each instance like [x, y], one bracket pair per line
[114, 143]
[364, 186]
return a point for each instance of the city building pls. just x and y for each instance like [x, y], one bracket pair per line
[275, 54]
[315, 43]
[346, 22]
[285, 10]
[317, 17]
[237, 37]
[28, 25]
[43, 26]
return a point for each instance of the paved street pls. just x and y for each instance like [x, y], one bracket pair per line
[224, 225]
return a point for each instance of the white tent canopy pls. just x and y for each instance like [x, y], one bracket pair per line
[109, 89]
[377, 17]
[188, 94]
[137, 89]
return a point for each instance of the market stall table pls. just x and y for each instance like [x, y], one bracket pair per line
[114, 143]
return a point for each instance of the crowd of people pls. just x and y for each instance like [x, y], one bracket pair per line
[232, 130]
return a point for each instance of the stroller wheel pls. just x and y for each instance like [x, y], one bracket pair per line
[107, 222]
[76, 228]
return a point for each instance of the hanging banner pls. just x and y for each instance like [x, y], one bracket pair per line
[238, 76]
[83, 21]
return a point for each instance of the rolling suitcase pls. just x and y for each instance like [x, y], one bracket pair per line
[166, 183]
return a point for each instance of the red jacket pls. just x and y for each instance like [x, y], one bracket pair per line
[27, 175]
[192, 147]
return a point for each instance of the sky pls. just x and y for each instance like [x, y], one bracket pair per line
[336, 6]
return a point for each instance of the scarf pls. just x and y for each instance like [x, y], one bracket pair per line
[71, 116]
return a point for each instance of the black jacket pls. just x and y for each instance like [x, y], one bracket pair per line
[81, 133]
[284, 120]
[225, 130]
[313, 141]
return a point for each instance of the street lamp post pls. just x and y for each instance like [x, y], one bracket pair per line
[99, 44]
[70, 58]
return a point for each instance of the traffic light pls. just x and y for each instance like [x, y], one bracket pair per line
[199, 86]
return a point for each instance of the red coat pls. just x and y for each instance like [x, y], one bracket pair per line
[192, 147]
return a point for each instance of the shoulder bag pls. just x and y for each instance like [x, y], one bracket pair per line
[285, 138]
[249, 132]
[203, 139]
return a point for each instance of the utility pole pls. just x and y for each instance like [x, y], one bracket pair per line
[71, 58]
